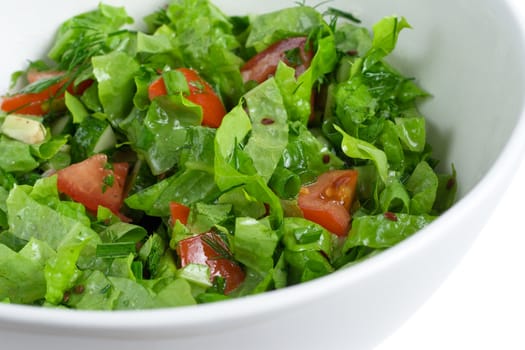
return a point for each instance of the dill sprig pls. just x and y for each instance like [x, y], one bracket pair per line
[40, 85]
[157, 19]
[218, 245]
[85, 46]
[336, 14]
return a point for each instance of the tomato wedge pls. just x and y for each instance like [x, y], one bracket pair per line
[38, 103]
[291, 51]
[208, 248]
[328, 200]
[45, 101]
[201, 93]
[179, 212]
[95, 182]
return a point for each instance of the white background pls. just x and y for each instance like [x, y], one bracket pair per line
[482, 304]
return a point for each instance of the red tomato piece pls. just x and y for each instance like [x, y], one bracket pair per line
[38, 103]
[43, 102]
[95, 182]
[201, 93]
[80, 88]
[328, 200]
[157, 88]
[263, 65]
[197, 250]
[179, 212]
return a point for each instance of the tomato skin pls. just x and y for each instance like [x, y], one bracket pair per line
[201, 93]
[85, 183]
[263, 65]
[42, 102]
[157, 88]
[195, 250]
[328, 200]
[31, 103]
[179, 212]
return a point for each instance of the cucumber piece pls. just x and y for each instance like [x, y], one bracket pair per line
[25, 129]
[92, 136]
[62, 159]
[62, 125]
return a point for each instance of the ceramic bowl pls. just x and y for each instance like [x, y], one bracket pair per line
[469, 54]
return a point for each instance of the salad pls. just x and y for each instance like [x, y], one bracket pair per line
[207, 157]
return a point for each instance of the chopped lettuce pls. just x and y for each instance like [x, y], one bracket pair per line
[269, 28]
[114, 73]
[349, 109]
[22, 279]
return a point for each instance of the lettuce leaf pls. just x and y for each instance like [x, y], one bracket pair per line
[162, 134]
[16, 156]
[194, 182]
[297, 93]
[383, 231]
[21, 279]
[269, 132]
[271, 27]
[356, 148]
[115, 74]
[254, 244]
[234, 167]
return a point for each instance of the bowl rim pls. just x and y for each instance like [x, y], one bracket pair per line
[187, 318]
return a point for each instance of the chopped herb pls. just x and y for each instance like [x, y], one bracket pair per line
[115, 250]
[105, 289]
[199, 86]
[138, 269]
[293, 57]
[336, 13]
[108, 181]
[218, 245]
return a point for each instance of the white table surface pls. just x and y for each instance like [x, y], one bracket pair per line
[482, 304]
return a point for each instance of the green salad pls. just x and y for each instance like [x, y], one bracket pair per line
[207, 157]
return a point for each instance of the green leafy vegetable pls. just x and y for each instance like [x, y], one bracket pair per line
[236, 192]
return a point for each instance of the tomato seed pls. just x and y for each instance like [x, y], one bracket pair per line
[79, 289]
[267, 121]
[390, 216]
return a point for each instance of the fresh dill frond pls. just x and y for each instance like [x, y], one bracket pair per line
[218, 245]
[321, 4]
[157, 19]
[336, 14]
[300, 3]
[40, 85]
[316, 6]
[87, 44]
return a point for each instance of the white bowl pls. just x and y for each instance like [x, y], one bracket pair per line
[469, 54]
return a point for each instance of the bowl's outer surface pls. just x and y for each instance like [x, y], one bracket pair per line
[469, 54]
